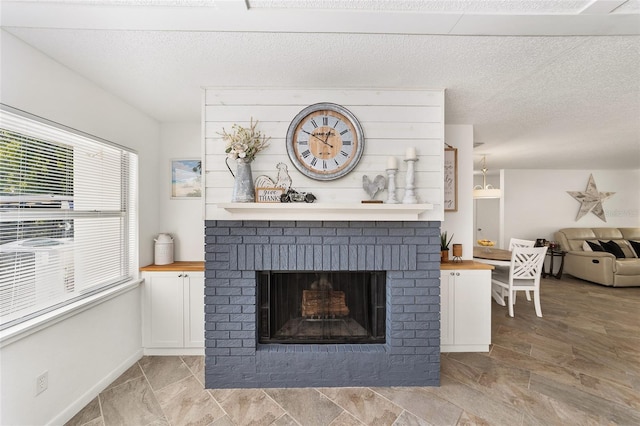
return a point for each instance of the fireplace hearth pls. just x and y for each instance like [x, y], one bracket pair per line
[321, 307]
[400, 344]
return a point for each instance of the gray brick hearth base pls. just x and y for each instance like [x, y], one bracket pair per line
[408, 251]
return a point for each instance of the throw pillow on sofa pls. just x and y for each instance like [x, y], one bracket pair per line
[594, 246]
[613, 248]
[626, 248]
[636, 247]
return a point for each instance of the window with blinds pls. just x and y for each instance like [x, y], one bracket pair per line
[68, 216]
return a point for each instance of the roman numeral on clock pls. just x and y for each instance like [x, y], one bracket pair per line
[306, 153]
[314, 123]
[303, 142]
[348, 143]
[314, 161]
[344, 131]
[325, 121]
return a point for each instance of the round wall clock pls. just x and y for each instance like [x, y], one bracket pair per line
[325, 141]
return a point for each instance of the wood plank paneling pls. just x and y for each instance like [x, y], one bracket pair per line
[392, 120]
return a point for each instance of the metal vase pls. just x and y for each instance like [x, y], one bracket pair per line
[243, 191]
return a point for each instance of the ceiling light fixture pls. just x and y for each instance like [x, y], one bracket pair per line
[485, 191]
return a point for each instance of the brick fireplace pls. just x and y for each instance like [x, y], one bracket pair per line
[237, 251]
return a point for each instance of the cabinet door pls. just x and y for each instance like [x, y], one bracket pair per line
[164, 310]
[194, 309]
[446, 307]
[472, 315]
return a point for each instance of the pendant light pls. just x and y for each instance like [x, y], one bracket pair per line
[485, 191]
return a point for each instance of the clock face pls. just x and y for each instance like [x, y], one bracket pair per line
[325, 141]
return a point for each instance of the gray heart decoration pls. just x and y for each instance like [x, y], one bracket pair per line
[372, 187]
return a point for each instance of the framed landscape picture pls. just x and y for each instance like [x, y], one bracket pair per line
[186, 178]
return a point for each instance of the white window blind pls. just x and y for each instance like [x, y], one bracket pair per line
[68, 215]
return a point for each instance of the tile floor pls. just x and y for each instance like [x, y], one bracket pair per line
[578, 365]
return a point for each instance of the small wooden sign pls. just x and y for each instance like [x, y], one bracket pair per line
[268, 195]
[450, 180]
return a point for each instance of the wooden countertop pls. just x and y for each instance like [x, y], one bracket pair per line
[199, 266]
[465, 264]
[175, 266]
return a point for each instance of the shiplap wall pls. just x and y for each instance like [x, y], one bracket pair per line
[392, 121]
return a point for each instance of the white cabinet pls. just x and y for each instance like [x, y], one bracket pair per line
[173, 312]
[465, 310]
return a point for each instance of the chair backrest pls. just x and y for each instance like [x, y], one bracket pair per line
[526, 263]
[514, 242]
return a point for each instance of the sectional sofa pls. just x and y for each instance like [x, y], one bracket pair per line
[606, 265]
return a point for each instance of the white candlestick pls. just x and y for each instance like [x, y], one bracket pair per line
[409, 195]
[392, 163]
[391, 184]
[411, 153]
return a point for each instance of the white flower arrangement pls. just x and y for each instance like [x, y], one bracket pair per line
[244, 143]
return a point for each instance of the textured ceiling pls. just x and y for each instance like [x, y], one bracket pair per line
[536, 101]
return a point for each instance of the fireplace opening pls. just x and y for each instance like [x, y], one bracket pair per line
[321, 307]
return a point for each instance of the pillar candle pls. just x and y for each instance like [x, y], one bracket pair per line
[411, 153]
[392, 163]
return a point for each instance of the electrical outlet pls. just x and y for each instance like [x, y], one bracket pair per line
[42, 382]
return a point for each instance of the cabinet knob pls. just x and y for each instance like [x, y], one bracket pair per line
[186, 275]
[180, 276]
[452, 273]
[458, 274]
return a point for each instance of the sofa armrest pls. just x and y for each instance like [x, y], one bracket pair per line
[591, 265]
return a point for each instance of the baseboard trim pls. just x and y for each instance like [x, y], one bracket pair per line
[172, 351]
[73, 409]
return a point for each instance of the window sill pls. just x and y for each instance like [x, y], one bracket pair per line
[24, 329]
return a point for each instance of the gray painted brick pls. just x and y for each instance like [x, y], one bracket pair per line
[248, 291]
[412, 267]
[343, 265]
[300, 257]
[308, 257]
[229, 343]
[326, 258]
[325, 232]
[353, 258]
[296, 231]
[228, 309]
[293, 260]
[334, 241]
[228, 325]
[241, 317]
[317, 257]
[269, 232]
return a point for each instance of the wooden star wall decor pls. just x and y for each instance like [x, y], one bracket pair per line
[591, 200]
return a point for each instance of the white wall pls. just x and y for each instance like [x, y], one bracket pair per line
[460, 223]
[182, 218]
[88, 350]
[536, 203]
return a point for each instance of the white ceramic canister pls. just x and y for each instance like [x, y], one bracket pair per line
[163, 249]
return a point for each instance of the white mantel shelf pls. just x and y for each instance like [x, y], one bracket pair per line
[324, 211]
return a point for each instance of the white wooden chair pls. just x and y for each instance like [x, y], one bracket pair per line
[515, 242]
[524, 275]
